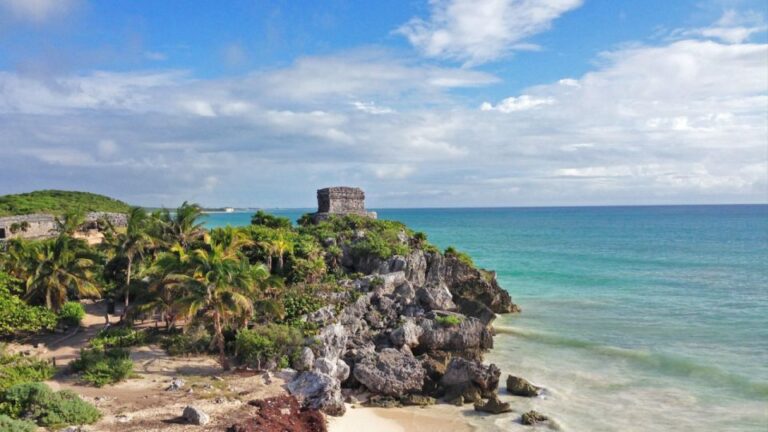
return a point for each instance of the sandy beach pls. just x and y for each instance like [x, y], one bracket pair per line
[434, 418]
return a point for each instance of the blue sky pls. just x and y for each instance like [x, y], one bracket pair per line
[422, 103]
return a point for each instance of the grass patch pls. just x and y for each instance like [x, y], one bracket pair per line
[17, 369]
[118, 337]
[448, 320]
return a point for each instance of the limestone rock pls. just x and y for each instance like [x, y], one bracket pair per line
[176, 385]
[195, 415]
[407, 334]
[469, 334]
[417, 400]
[318, 391]
[493, 405]
[532, 417]
[390, 372]
[521, 387]
[305, 360]
[462, 372]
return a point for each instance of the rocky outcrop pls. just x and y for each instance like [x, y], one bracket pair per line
[521, 387]
[390, 372]
[414, 327]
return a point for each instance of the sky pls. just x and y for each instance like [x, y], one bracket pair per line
[422, 103]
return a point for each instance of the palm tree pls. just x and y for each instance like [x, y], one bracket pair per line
[131, 246]
[220, 285]
[62, 265]
[281, 246]
[166, 285]
[185, 226]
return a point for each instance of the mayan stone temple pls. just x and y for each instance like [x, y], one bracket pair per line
[340, 200]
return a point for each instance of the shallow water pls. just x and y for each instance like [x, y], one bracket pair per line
[634, 318]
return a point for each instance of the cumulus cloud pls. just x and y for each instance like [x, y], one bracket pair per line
[479, 31]
[682, 121]
[732, 27]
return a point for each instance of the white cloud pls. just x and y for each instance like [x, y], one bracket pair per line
[38, 11]
[371, 108]
[685, 121]
[479, 31]
[521, 103]
[733, 27]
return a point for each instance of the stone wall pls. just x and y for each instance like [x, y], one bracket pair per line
[41, 225]
[341, 200]
[27, 226]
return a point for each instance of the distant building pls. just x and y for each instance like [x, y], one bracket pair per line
[340, 200]
[229, 210]
[41, 225]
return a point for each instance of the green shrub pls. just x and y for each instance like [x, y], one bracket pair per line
[448, 320]
[269, 220]
[118, 337]
[16, 369]
[270, 342]
[461, 256]
[100, 367]
[194, 341]
[71, 313]
[16, 316]
[296, 305]
[36, 401]
[8, 424]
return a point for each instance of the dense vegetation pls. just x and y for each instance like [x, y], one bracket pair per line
[58, 203]
[243, 293]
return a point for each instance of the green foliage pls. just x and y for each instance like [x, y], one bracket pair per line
[118, 337]
[100, 367]
[295, 305]
[196, 341]
[72, 313]
[448, 320]
[58, 203]
[270, 221]
[16, 316]
[269, 342]
[461, 256]
[16, 369]
[380, 238]
[8, 424]
[47, 408]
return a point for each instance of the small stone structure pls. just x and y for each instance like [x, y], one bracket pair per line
[340, 200]
[42, 225]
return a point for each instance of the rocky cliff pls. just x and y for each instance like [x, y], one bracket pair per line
[413, 327]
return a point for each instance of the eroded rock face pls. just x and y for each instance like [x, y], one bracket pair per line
[390, 372]
[469, 283]
[469, 335]
[462, 373]
[318, 391]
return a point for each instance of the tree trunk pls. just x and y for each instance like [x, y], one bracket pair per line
[280, 263]
[220, 343]
[269, 263]
[127, 289]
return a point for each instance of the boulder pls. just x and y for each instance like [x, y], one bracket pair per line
[436, 297]
[390, 372]
[305, 360]
[462, 373]
[521, 387]
[195, 416]
[318, 391]
[532, 417]
[493, 406]
[321, 316]
[176, 385]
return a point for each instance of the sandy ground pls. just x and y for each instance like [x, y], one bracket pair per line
[434, 418]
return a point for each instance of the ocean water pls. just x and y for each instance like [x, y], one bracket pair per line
[634, 318]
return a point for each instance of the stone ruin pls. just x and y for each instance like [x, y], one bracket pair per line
[340, 200]
[42, 225]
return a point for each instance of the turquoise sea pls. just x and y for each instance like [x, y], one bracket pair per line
[634, 318]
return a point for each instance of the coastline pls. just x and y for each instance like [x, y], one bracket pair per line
[433, 418]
